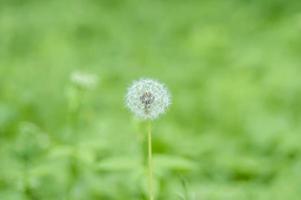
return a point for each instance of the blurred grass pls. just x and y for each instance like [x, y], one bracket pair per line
[234, 71]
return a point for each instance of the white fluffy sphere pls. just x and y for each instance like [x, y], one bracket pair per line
[147, 99]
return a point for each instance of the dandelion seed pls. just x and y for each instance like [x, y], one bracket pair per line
[147, 99]
[84, 80]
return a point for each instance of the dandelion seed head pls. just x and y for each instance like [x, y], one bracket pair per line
[147, 99]
[84, 80]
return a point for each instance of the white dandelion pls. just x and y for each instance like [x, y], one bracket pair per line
[84, 80]
[147, 99]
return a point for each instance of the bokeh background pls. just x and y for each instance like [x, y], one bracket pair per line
[232, 132]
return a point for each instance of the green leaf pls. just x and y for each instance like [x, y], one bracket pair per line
[61, 151]
[119, 164]
[167, 162]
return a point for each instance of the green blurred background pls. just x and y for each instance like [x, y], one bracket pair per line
[232, 132]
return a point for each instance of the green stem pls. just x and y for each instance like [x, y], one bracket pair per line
[150, 162]
[74, 124]
[27, 188]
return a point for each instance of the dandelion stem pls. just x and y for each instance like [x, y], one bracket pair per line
[27, 188]
[150, 162]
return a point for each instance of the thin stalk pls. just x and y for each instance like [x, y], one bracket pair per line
[27, 188]
[150, 162]
[74, 123]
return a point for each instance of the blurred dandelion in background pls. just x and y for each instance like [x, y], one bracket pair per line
[81, 83]
[84, 80]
